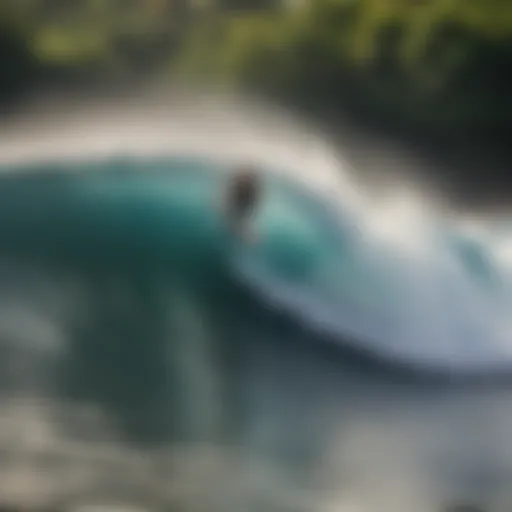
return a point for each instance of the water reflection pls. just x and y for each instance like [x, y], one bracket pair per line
[126, 390]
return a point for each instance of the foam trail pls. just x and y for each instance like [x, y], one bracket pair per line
[190, 343]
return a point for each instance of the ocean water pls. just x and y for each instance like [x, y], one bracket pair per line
[353, 359]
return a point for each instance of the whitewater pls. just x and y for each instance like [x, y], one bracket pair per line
[400, 278]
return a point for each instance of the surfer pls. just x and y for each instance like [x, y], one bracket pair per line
[242, 198]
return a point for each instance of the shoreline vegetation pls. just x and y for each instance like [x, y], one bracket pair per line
[436, 74]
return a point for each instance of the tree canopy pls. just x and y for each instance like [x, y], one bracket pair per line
[439, 68]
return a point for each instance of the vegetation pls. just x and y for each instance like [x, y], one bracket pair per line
[437, 69]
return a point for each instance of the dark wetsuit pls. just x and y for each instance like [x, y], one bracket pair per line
[243, 195]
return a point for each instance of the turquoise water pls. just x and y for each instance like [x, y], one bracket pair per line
[122, 293]
[442, 307]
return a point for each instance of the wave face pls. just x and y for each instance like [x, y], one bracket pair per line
[149, 361]
[424, 293]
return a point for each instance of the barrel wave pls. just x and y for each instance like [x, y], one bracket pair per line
[437, 298]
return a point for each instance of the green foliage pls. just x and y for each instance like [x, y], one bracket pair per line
[437, 67]
[440, 68]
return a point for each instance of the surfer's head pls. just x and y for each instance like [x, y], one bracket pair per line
[246, 174]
